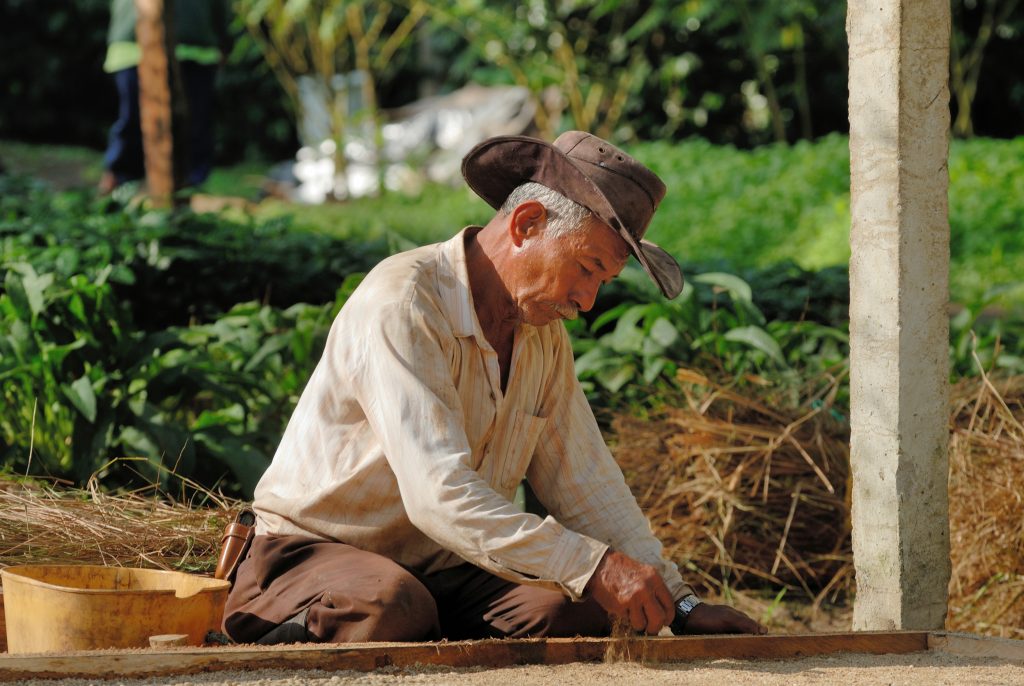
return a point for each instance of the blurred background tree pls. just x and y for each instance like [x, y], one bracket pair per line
[316, 48]
[585, 63]
[981, 27]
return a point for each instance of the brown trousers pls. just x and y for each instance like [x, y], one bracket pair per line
[292, 589]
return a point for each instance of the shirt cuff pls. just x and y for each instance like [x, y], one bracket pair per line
[681, 589]
[575, 561]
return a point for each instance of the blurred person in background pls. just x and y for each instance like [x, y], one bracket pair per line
[202, 41]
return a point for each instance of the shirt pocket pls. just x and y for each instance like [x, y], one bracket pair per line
[514, 449]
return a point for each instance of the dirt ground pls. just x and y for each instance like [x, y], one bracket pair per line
[63, 167]
[932, 667]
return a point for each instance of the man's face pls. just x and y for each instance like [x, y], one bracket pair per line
[560, 276]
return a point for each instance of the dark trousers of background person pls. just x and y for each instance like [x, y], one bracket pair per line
[124, 155]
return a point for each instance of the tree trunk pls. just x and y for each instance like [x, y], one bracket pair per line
[965, 68]
[763, 75]
[154, 31]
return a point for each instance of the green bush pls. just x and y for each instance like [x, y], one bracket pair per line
[986, 216]
[792, 203]
[84, 382]
[81, 385]
[753, 208]
[633, 342]
[749, 211]
[628, 354]
[175, 267]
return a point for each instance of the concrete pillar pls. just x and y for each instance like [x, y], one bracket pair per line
[899, 272]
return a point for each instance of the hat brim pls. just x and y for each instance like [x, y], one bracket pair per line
[499, 165]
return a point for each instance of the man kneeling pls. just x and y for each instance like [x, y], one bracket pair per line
[447, 379]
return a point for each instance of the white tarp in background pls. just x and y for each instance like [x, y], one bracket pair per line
[424, 141]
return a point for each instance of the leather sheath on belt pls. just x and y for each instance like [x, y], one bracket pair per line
[235, 544]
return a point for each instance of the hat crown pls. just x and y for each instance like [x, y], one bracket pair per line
[633, 190]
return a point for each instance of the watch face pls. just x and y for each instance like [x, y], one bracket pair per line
[687, 603]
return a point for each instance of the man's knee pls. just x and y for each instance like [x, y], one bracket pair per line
[393, 606]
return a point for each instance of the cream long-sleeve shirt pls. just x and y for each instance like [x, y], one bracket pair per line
[403, 443]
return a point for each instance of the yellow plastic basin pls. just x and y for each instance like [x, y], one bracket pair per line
[56, 608]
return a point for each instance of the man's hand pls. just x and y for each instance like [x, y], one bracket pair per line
[632, 591]
[707, 618]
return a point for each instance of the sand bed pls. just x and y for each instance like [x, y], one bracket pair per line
[928, 667]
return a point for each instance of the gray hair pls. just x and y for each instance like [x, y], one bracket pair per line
[564, 215]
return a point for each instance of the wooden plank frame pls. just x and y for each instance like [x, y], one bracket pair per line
[141, 663]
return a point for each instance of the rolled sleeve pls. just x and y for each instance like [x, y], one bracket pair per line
[576, 560]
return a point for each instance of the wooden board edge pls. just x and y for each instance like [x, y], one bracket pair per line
[114, 664]
[3, 623]
[973, 645]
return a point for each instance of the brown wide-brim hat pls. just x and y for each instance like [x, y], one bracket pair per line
[588, 170]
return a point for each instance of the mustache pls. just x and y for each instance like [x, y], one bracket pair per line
[566, 311]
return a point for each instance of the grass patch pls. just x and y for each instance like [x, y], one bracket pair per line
[753, 209]
[436, 214]
[62, 166]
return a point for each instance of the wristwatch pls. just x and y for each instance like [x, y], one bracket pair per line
[684, 606]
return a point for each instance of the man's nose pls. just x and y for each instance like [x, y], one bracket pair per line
[586, 294]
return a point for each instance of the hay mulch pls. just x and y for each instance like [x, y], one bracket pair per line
[747, 494]
[45, 524]
[986, 507]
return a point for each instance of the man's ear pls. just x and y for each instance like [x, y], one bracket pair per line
[526, 220]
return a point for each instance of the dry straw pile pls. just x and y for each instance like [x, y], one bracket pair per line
[41, 524]
[986, 489]
[749, 495]
[746, 493]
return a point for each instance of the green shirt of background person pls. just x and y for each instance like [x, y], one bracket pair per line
[202, 39]
[200, 33]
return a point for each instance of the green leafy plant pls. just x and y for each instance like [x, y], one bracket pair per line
[186, 339]
[83, 383]
[985, 337]
[640, 343]
[209, 402]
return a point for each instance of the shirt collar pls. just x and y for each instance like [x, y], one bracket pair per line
[456, 294]
[453, 283]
